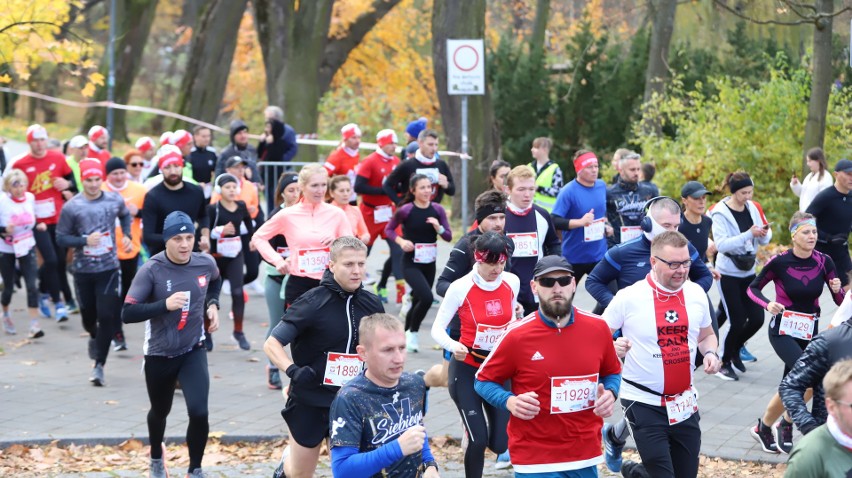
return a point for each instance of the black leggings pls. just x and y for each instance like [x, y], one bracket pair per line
[128, 272]
[251, 259]
[474, 411]
[420, 277]
[52, 276]
[29, 270]
[788, 349]
[100, 301]
[231, 268]
[667, 451]
[161, 377]
[745, 316]
[295, 287]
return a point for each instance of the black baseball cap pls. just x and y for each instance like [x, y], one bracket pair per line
[843, 166]
[550, 264]
[693, 189]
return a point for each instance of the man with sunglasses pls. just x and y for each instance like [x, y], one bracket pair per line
[664, 320]
[557, 405]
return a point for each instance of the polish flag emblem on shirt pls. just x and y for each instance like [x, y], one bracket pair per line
[202, 281]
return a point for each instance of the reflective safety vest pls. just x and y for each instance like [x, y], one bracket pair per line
[544, 179]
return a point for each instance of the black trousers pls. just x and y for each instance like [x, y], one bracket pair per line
[52, 275]
[667, 451]
[100, 302]
[745, 316]
[420, 277]
[161, 377]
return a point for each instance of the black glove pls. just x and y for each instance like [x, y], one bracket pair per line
[301, 375]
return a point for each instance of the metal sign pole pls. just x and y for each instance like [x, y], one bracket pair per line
[464, 161]
[111, 74]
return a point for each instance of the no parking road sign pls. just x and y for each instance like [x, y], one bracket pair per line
[465, 67]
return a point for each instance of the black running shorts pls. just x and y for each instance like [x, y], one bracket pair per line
[308, 425]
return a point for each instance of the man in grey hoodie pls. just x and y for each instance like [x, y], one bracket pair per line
[240, 147]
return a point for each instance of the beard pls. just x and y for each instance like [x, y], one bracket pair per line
[173, 180]
[558, 310]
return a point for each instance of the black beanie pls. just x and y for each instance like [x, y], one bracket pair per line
[115, 163]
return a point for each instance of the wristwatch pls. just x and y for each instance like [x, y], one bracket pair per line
[427, 464]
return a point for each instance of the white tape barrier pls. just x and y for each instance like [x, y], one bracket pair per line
[306, 138]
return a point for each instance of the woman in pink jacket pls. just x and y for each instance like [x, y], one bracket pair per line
[309, 226]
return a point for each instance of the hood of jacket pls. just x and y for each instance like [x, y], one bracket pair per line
[236, 127]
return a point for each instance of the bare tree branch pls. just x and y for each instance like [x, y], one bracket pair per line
[811, 18]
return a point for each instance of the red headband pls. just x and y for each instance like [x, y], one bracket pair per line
[171, 157]
[482, 256]
[91, 167]
[585, 160]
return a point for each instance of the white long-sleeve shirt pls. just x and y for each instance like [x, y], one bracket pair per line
[810, 187]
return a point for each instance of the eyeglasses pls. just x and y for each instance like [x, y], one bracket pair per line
[845, 404]
[549, 282]
[675, 265]
[135, 164]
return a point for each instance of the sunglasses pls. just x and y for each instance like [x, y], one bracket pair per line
[135, 164]
[549, 282]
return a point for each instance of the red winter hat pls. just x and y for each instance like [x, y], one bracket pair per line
[144, 144]
[350, 130]
[164, 138]
[36, 131]
[386, 137]
[90, 167]
[96, 132]
[169, 155]
[180, 138]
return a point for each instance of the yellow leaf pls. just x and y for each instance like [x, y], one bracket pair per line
[5, 78]
[88, 91]
[97, 78]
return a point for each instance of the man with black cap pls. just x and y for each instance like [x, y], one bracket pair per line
[240, 147]
[117, 181]
[174, 292]
[87, 224]
[173, 194]
[832, 208]
[557, 405]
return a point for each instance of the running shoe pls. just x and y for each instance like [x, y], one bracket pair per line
[382, 292]
[612, 449]
[279, 470]
[737, 363]
[411, 342]
[245, 296]
[97, 377]
[197, 473]
[36, 332]
[273, 378]
[72, 307]
[727, 372]
[119, 343]
[8, 325]
[405, 307]
[504, 461]
[44, 306]
[255, 287]
[226, 288]
[746, 356]
[240, 338]
[784, 436]
[633, 469]
[208, 341]
[763, 435]
[157, 467]
[369, 280]
[93, 349]
[61, 312]
[422, 374]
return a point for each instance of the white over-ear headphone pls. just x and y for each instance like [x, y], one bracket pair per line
[218, 189]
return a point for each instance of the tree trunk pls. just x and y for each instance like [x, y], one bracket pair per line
[657, 74]
[820, 81]
[214, 41]
[134, 24]
[460, 19]
[301, 60]
[539, 33]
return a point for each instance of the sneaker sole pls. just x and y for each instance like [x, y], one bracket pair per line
[756, 436]
[37, 335]
[59, 320]
[725, 377]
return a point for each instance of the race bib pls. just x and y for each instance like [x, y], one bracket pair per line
[283, 251]
[382, 214]
[104, 246]
[431, 173]
[487, 336]
[628, 233]
[681, 406]
[313, 261]
[594, 231]
[526, 244]
[341, 368]
[425, 253]
[23, 243]
[797, 325]
[573, 394]
[229, 246]
[45, 208]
